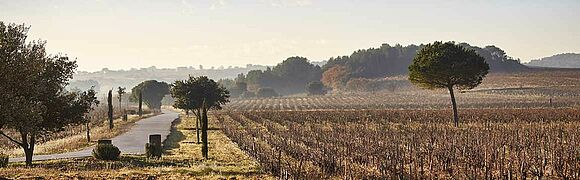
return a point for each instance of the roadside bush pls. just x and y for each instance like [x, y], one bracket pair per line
[106, 152]
[3, 160]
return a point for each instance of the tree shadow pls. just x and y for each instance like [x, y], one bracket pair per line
[174, 137]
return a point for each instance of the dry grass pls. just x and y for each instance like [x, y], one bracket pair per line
[182, 160]
[79, 141]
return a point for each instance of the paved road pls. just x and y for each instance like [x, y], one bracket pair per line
[131, 142]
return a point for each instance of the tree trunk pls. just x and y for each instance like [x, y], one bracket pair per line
[88, 132]
[140, 103]
[204, 126]
[454, 105]
[110, 101]
[197, 122]
[197, 128]
[29, 150]
[120, 105]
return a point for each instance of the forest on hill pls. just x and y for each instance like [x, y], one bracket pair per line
[358, 71]
[564, 60]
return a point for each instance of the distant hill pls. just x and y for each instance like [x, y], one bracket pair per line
[565, 60]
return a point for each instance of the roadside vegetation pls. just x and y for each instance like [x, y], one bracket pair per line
[182, 160]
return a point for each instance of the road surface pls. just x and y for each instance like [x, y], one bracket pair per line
[131, 142]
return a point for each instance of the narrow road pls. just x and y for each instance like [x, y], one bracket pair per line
[131, 142]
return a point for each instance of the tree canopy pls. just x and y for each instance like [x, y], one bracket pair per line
[189, 94]
[34, 100]
[445, 65]
[153, 92]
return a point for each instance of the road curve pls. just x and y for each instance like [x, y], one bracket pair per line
[131, 142]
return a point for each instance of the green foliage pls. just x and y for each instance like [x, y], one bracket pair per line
[152, 151]
[444, 65]
[34, 100]
[106, 152]
[152, 92]
[267, 92]
[288, 77]
[191, 93]
[376, 62]
[3, 160]
[315, 88]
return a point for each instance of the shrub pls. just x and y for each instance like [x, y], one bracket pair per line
[3, 160]
[106, 152]
[267, 92]
[153, 151]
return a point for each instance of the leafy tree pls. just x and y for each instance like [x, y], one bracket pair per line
[315, 88]
[152, 91]
[447, 65]
[120, 93]
[34, 101]
[89, 97]
[199, 95]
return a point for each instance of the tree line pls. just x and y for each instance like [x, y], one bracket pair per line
[292, 75]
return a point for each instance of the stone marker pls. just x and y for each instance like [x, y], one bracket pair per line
[153, 148]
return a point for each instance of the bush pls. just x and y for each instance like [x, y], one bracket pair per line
[106, 152]
[153, 151]
[3, 160]
[267, 92]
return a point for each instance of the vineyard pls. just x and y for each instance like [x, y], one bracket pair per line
[519, 125]
[380, 144]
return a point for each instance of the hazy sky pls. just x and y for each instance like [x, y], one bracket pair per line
[120, 34]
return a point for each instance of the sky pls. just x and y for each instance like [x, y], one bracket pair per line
[123, 34]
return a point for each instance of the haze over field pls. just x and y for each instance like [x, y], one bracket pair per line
[124, 34]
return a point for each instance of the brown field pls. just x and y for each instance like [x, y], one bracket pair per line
[508, 129]
[517, 90]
